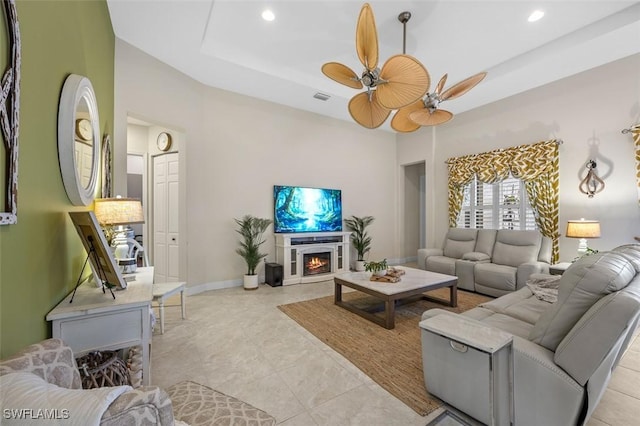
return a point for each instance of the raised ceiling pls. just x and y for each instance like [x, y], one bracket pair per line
[226, 44]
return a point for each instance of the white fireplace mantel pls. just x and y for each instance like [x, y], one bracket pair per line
[291, 248]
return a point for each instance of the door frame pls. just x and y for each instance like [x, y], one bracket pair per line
[146, 210]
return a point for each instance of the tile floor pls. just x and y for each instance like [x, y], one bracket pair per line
[240, 343]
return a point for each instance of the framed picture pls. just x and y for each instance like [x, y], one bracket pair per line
[102, 261]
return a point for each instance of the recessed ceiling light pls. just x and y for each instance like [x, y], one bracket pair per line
[268, 15]
[536, 15]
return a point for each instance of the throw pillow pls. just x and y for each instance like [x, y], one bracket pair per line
[28, 398]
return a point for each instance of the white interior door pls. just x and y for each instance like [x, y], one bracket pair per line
[166, 237]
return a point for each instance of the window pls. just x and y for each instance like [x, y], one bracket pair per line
[501, 205]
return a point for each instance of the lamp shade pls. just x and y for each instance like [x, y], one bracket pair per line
[118, 211]
[583, 229]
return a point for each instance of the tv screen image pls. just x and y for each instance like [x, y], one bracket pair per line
[300, 209]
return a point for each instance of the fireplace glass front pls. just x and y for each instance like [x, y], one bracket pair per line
[316, 263]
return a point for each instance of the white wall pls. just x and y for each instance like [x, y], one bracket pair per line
[137, 138]
[236, 148]
[587, 111]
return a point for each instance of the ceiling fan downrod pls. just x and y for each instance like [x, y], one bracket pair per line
[404, 18]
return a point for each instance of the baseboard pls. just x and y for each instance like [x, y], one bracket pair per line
[218, 285]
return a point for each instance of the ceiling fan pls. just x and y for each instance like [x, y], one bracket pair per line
[425, 112]
[401, 81]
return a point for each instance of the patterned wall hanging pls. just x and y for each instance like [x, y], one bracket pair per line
[591, 184]
[10, 113]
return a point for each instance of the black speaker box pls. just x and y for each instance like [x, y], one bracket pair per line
[273, 274]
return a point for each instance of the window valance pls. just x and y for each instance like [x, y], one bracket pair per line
[525, 162]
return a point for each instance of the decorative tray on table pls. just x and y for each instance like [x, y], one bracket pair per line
[392, 276]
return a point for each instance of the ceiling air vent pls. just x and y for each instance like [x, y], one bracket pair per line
[321, 96]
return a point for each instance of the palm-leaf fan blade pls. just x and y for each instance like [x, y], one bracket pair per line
[367, 38]
[425, 117]
[407, 80]
[463, 87]
[401, 121]
[342, 74]
[441, 83]
[367, 113]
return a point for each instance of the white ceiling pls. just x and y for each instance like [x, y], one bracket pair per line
[226, 44]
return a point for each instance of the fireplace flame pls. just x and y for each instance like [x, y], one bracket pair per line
[316, 263]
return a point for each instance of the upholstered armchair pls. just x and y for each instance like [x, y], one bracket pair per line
[55, 367]
[45, 376]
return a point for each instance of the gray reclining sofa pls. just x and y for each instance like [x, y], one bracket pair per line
[562, 354]
[489, 261]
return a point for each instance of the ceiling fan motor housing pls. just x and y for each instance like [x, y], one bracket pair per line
[371, 78]
[431, 101]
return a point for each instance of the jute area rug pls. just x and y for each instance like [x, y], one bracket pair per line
[392, 358]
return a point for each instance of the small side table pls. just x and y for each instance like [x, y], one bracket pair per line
[559, 268]
[162, 291]
[463, 352]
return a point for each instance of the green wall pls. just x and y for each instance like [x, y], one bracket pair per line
[41, 256]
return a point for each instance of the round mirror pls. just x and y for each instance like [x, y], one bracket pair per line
[79, 139]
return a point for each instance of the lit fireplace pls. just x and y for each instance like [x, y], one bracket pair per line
[316, 263]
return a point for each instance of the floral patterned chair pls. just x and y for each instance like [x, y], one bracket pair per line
[51, 365]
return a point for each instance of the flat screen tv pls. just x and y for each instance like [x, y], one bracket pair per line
[300, 209]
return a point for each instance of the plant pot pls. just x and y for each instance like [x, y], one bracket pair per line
[359, 265]
[380, 273]
[251, 282]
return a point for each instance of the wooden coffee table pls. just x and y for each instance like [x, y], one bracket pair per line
[414, 283]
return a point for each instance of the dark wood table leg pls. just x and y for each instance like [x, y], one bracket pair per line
[389, 314]
[337, 298]
[453, 295]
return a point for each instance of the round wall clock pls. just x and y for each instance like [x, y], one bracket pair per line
[164, 141]
[84, 129]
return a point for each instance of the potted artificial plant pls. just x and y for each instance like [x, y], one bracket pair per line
[251, 230]
[359, 238]
[377, 268]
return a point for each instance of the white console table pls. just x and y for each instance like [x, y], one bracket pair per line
[96, 322]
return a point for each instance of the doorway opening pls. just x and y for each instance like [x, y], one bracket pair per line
[414, 209]
[153, 176]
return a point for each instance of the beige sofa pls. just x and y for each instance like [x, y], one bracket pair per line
[563, 353]
[489, 261]
[44, 376]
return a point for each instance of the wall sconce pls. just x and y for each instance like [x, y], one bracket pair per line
[591, 184]
[583, 229]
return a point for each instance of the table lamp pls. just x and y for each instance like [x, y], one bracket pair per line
[118, 212]
[583, 229]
